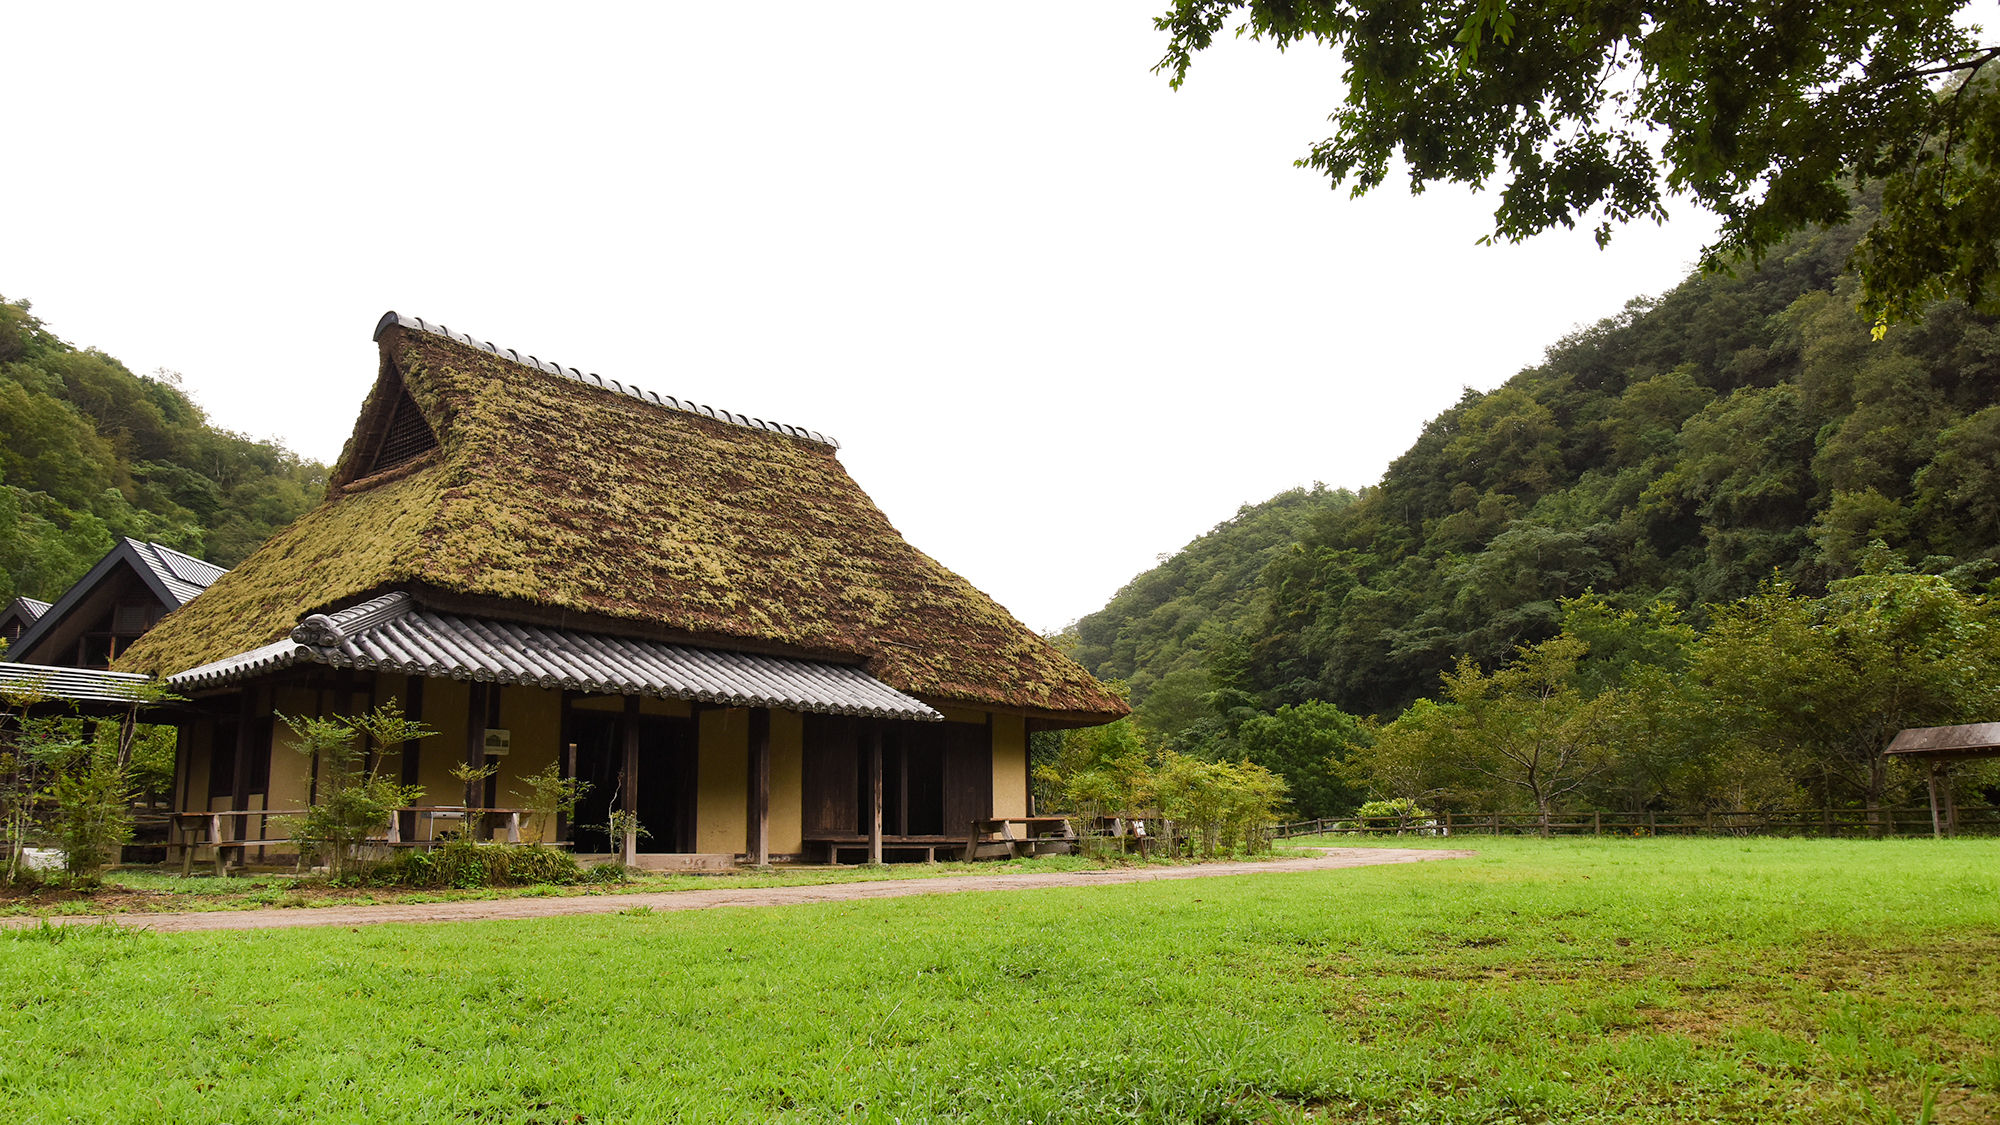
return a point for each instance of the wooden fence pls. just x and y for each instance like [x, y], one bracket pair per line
[1853, 823]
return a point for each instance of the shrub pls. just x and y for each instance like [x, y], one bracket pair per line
[1401, 806]
[467, 865]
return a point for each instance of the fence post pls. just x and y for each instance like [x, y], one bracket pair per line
[1826, 818]
[1496, 824]
[215, 838]
[1597, 824]
[1447, 822]
[1651, 829]
[395, 827]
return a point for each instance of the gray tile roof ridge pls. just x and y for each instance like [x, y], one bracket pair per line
[669, 402]
[392, 633]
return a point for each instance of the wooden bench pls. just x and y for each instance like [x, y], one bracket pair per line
[979, 842]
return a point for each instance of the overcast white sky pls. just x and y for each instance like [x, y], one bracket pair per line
[1061, 318]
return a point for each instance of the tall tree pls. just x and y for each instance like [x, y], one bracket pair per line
[1765, 112]
[1828, 682]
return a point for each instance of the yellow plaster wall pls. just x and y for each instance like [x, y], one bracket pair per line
[723, 773]
[291, 771]
[788, 741]
[1010, 766]
[532, 716]
[444, 712]
[201, 736]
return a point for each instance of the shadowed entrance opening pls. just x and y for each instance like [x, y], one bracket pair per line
[665, 783]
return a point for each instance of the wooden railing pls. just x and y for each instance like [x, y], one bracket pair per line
[1910, 821]
[227, 829]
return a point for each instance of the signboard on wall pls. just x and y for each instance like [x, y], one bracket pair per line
[498, 742]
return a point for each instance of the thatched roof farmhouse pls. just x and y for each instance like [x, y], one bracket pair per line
[684, 606]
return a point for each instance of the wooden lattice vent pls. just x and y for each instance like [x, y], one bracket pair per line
[404, 439]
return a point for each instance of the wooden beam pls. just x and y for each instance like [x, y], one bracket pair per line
[757, 847]
[628, 781]
[875, 792]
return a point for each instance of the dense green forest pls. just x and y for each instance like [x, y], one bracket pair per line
[1737, 436]
[89, 451]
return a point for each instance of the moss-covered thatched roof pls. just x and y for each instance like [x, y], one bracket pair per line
[548, 495]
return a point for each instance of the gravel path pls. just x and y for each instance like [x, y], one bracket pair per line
[509, 908]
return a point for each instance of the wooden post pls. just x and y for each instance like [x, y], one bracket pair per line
[1937, 820]
[1950, 806]
[215, 838]
[563, 828]
[757, 844]
[395, 826]
[875, 792]
[514, 827]
[412, 761]
[1496, 824]
[187, 848]
[246, 739]
[475, 746]
[1597, 824]
[628, 781]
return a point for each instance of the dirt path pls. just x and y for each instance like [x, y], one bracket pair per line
[280, 918]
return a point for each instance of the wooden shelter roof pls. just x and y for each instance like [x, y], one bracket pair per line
[1973, 740]
[485, 482]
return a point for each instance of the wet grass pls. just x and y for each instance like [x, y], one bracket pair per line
[1544, 981]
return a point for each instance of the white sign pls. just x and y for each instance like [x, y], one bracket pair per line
[498, 742]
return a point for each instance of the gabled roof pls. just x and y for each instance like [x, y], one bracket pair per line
[547, 497]
[18, 614]
[391, 634]
[173, 577]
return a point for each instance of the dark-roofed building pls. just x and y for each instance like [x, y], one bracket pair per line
[17, 615]
[697, 612]
[95, 621]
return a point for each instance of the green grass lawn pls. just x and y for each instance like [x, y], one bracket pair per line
[141, 890]
[1563, 981]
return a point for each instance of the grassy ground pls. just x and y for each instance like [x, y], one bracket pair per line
[138, 890]
[1561, 981]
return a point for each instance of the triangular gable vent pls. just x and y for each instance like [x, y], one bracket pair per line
[406, 438]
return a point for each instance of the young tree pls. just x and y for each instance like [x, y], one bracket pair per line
[1527, 727]
[352, 799]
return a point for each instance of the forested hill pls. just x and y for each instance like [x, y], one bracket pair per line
[1681, 452]
[89, 451]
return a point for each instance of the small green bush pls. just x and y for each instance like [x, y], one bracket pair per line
[611, 872]
[467, 865]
